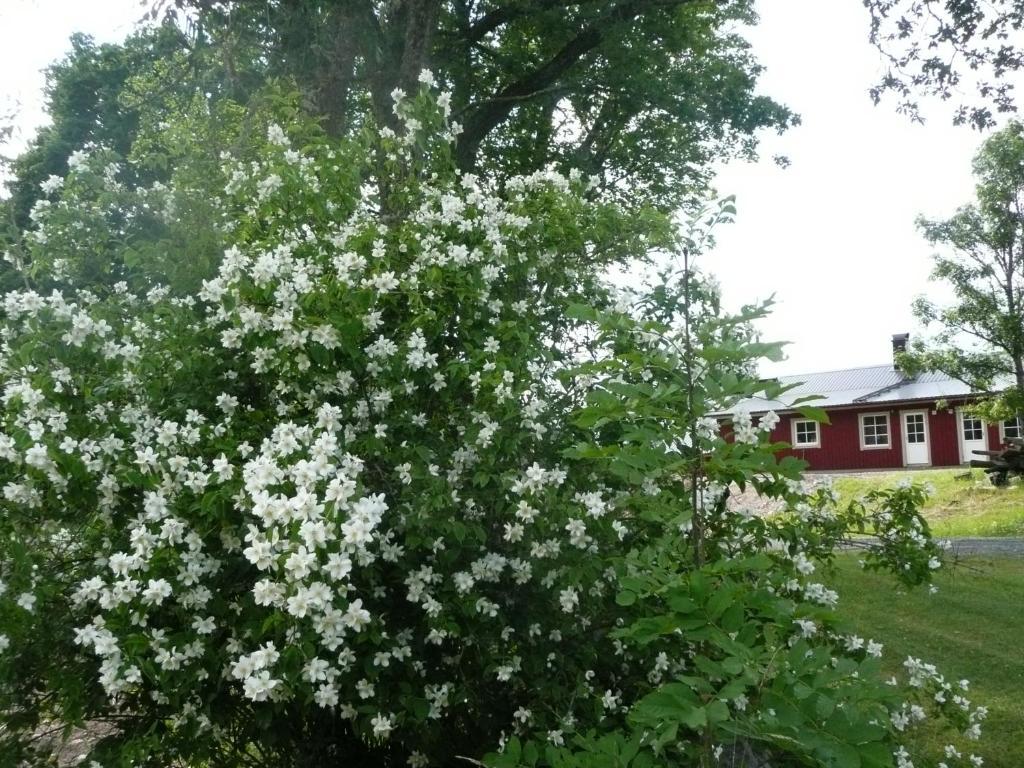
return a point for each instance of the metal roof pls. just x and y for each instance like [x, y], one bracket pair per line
[853, 386]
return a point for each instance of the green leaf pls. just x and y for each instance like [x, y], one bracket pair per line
[717, 711]
[582, 312]
[672, 703]
[814, 413]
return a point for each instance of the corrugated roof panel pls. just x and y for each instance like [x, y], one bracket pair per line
[920, 390]
[870, 384]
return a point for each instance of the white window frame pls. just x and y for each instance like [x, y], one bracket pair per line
[888, 431]
[964, 416]
[1002, 428]
[960, 438]
[817, 433]
[904, 436]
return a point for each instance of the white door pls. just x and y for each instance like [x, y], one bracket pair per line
[973, 436]
[916, 449]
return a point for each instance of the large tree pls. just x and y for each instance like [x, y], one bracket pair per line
[981, 334]
[643, 93]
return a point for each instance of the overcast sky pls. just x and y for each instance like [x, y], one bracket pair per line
[832, 236]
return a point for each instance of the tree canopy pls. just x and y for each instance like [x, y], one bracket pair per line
[644, 94]
[980, 337]
[325, 440]
[962, 50]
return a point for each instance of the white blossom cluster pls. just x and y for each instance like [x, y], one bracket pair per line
[295, 523]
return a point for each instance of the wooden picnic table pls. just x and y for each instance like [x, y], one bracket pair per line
[1004, 463]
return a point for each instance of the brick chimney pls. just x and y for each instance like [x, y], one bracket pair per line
[899, 344]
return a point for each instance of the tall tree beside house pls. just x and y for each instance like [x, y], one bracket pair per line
[644, 94]
[980, 336]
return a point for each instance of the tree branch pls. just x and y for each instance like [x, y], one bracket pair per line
[490, 113]
[506, 13]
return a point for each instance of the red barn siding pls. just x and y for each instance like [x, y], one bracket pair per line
[945, 438]
[840, 440]
[840, 443]
[994, 443]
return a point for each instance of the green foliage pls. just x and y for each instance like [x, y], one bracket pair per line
[405, 478]
[959, 503]
[933, 48]
[971, 627]
[980, 337]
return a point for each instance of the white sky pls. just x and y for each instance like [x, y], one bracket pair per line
[832, 236]
[34, 33]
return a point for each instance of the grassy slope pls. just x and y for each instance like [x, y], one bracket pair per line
[959, 507]
[972, 628]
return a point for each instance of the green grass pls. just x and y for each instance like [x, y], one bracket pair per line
[960, 506]
[972, 628]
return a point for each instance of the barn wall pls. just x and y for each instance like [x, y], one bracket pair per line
[993, 438]
[840, 440]
[840, 443]
[945, 438]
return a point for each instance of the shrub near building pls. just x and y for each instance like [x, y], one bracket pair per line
[406, 482]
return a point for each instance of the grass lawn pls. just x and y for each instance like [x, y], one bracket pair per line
[959, 507]
[972, 628]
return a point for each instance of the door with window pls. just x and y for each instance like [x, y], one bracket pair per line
[916, 449]
[973, 436]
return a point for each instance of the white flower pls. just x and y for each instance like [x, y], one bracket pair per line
[326, 695]
[356, 617]
[52, 184]
[156, 591]
[569, 599]
[268, 186]
[258, 687]
[807, 627]
[315, 670]
[338, 566]
[769, 421]
[276, 135]
[222, 467]
[27, 601]
[382, 725]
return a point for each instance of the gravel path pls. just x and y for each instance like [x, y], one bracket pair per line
[990, 546]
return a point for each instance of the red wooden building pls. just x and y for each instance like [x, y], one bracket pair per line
[882, 419]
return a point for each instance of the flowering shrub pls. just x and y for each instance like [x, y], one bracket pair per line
[405, 482]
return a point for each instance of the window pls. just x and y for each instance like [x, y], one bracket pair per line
[974, 429]
[1013, 428]
[806, 434]
[915, 428]
[874, 431]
